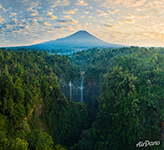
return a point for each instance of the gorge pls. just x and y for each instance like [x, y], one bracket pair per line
[81, 90]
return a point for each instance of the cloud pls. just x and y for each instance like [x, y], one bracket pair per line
[109, 25]
[102, 13]
[31, 12]
[79, 26]
[1, 19]
[12, 14]
[31, 4]
[126, 21]
[64, 27]
[4, 10]
[116, 3]
[81, 3]
[158, 3]
[70, 11]
[67, 16]
[13, 22]
[113, 12]
[88, 25]
[74, 21]
[24, 1]
[51, 17]
[89, 7]
[49, 13]
[60, 27]
[111, 19]
[5, 26]
[13, 26]
[60, 3]
[128, 16]
[47, 24]
[26, 27]
[142, 16]
[33, 22]
[139, 3]
[63, 21]
[86, 12]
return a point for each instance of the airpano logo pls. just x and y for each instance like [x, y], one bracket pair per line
[147, 143]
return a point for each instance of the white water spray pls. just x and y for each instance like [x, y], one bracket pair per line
[70, 86]
[81, 88]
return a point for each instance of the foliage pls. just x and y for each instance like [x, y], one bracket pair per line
[34, 114]
[131, 100]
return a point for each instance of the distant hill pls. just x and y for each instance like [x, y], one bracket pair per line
[80, 39]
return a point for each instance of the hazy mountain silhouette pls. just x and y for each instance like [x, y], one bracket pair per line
[80, 39]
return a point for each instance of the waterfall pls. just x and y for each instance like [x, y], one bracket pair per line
[70, 86]
[82, 88]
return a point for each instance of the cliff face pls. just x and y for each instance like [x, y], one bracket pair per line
[91, 91]
[81, 90]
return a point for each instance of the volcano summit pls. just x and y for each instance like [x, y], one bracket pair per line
[80, 39]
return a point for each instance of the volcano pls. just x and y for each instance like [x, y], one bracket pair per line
[80, 39]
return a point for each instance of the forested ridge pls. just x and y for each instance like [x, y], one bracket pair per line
[34, 114]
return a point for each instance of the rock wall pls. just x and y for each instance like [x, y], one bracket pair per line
[90, 90]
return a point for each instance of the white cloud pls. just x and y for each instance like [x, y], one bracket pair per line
[60, 3]
[139, 3]
[113, 12]
[126, 21]
[75, 21]
[111, 19]
[102, 13]
[1, 19]
[142, 16]
[86, 12]
[69, 28]
[86, 24]
[12, 14]
[70, 11]
[109, 25]
[51, 17]
[81, 3]
[67, 16]
[63, 21]
[49, 13]
[31, 12]
[79, 26]
[128, 16]
[47, 24]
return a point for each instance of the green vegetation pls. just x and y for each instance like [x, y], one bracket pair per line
[29, 91]
[34, 114]
[131, 105]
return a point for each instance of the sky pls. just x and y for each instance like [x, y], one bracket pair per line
[126, 22]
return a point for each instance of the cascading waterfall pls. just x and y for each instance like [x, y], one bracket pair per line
[70, 86]
[82, 88]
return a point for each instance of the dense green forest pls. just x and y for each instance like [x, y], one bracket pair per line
[34, 114]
